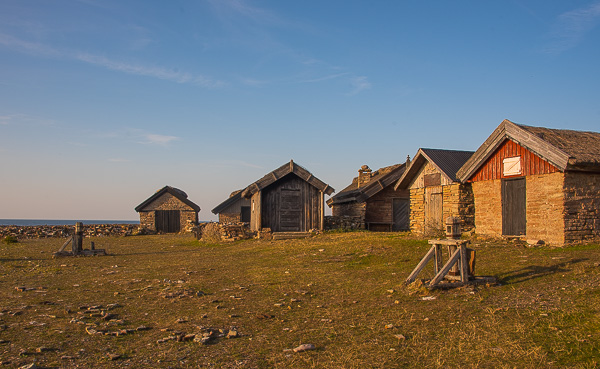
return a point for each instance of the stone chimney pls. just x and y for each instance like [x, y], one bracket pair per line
[364, 176]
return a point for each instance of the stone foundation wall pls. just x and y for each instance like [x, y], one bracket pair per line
[344, 222]
[224, 232]
[488, 207]
[582, 207]
[545, 203]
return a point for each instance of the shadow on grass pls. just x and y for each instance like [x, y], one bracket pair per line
[535, 271]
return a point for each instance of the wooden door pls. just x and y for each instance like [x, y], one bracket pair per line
[167, 221]
[245, 214]
[514, 216]
[433, 210]
[400, 213]
[290, 210]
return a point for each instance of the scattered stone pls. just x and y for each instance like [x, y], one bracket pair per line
[114, 356]
[389, 326]
[400, 337]
[428, 298]
[30, 366]
[181, 321]
[326, 320]
[305, 347]
[142, 328]
[188, 337]
[44, 349]
[232, 334]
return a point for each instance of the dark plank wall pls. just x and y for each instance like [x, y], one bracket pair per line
[310, 206]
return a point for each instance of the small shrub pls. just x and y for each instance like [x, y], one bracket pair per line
[211, 233]
[10, 239]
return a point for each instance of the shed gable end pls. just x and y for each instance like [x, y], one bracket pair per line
[502, 163]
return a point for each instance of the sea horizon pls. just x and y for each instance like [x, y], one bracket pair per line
[60, 222]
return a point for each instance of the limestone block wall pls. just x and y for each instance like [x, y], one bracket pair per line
[544, 208]
[417, 210]
[581, 207]
[147, 220]
[457, 201]
[488, 207]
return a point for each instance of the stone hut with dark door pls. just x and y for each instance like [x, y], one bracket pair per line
[234, 210]
[288, 199]
[537, 183]
[435, 192]
[371, 202]
[168, 211]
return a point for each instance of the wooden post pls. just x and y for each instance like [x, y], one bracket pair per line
[438, 258]
[464, 265]
[322, 212]
[77, 243]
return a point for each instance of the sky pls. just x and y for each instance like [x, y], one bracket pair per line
[103, 102]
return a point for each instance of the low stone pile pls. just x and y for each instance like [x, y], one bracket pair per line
[223, 231]
[62, 231]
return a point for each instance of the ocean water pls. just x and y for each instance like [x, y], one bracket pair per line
[36, 222]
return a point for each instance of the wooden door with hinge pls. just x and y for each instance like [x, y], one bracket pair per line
[433, 210]
[290, 210]
[400, 214]
[514, 215]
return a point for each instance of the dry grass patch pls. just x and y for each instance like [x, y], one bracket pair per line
[152, 300]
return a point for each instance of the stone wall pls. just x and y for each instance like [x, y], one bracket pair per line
[545, 204]
[488, 207]
[147, 220]
[458, 201]
[344, 222]
[582, 207]
[417, 210]
[230, 217]
[351, 209]
[89, 230]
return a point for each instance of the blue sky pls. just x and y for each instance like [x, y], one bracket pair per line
[103, 102]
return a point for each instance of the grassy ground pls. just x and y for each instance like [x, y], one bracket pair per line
[342, 292]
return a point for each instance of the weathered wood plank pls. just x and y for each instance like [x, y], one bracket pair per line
[430, 254]
[453, 259]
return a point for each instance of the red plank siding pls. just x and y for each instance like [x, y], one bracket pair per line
[530, 163]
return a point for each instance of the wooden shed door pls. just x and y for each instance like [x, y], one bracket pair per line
[514, 218]
[167, 221]
[290, 210]
[433, 210]
[400, 214]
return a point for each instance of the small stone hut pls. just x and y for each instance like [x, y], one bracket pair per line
[435, 192]
[537, 183]
[235, 209]
[371, 202]
[288, 199]
[168, 211]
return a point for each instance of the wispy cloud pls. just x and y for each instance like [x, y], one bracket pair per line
[572, 26]
[111, 64]
[28, 47]
[148, 71]
[359, 83]
[154, 139]
[25, 120]
[325, 78]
